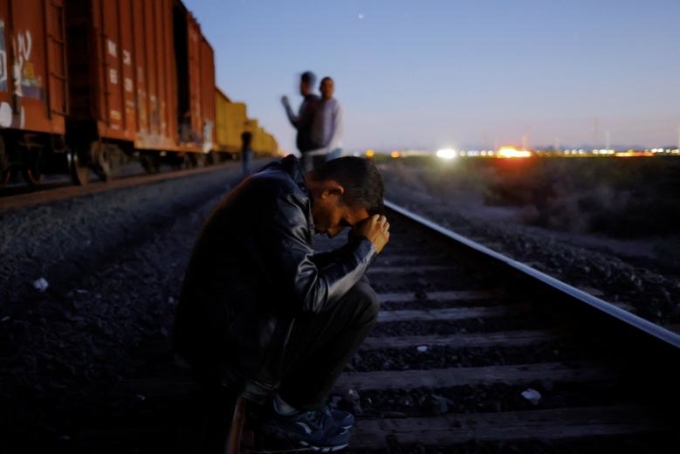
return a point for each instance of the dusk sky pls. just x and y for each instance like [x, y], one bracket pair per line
[458, 73]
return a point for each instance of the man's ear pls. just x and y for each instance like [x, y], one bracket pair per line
[333, 188]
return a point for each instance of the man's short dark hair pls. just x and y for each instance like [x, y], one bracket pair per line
[364, 187]
[308, 77]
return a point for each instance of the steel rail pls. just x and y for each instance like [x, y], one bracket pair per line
[58, 193]
[653, 330]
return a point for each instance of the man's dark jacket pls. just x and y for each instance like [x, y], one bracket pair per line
[253, 270]
[304, 122]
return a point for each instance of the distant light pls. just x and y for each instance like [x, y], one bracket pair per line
[446, 153]
[370, 153]
[395, 154]
[633, 154]
[511, 152]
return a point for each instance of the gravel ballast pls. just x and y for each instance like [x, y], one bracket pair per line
[72, 354]
[113, 263]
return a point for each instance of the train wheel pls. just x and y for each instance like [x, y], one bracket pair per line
[188, 162]
[194, 160]
[4, 164]
[179, 161]
[200, 159]
[150, 162]
[80, 172]
[101, 159]
[31, 169]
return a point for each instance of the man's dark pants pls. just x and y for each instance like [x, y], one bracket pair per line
[319, 347]
[321, 344]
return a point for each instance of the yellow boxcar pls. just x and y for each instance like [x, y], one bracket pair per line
[271, 148]
[230, 122]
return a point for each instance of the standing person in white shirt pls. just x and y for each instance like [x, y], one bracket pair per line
[327, 127]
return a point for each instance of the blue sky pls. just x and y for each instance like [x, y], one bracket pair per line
[461, 73]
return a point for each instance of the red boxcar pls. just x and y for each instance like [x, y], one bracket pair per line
[33, 83]
[197, 81]
[149, 69]
[92, 80]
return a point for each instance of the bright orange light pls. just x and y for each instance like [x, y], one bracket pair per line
[632, 154]
[395, 154]
[512, 152]
[370, 153]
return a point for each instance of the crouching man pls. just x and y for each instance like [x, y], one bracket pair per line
[262, 314]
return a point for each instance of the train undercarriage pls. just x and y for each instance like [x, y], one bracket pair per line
[29, 157]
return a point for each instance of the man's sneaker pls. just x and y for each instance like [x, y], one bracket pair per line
[315, 429]
[343, 419]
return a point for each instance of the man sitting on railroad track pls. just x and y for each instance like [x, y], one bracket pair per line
[265, 316]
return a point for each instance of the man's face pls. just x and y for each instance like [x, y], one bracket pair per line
[330, 217]
[304, 87]
[327, 88]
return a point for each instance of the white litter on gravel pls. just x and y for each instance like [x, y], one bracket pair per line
[41, 284]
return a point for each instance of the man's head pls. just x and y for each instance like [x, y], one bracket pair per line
[307, 80]
[327, 88]
[345, 192]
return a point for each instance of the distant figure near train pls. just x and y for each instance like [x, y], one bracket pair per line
[264, 316]
[319, 122]
[246, 152]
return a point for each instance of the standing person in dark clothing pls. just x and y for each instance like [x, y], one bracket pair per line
[302, 122]
[246, 152]
[264, 313]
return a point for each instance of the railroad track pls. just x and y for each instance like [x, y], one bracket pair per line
[474, 352]
[14, 198]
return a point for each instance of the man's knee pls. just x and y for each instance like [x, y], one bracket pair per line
[367, 299]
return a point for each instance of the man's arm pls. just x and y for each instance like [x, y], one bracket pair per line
[305, 115]
[289, 259]
[294, 119]
[324, 258]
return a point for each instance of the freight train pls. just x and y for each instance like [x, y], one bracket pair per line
[85, 84]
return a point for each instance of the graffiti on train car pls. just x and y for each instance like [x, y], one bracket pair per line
[23, 75]
[3, 58]
[26, 82]
[5, 109]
